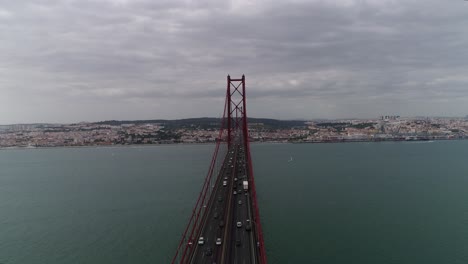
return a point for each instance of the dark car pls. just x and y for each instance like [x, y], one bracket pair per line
[221, 223]
[248, 226]
[209, 252]
[238, 242]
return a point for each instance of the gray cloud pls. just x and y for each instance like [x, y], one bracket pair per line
[67, 61]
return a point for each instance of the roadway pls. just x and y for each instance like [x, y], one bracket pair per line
[228, 205]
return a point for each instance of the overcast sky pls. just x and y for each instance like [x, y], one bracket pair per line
[89, 60]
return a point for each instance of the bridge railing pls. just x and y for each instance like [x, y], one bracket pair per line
[258, 226]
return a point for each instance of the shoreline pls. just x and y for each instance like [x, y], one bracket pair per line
[378, 141]
[253, 142]
[102, 146]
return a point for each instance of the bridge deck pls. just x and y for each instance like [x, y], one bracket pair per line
[229, 204]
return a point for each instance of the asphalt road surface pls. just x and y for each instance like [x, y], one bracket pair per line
[228, 205]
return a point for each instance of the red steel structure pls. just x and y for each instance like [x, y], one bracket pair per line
[234, 121]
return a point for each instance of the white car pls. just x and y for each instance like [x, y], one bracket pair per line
[239, 224]
[234, 193]
[201, 241]
[218, 241]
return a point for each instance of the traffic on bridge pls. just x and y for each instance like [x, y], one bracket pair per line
[227, 232]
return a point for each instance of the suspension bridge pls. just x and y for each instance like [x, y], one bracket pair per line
[224, 226]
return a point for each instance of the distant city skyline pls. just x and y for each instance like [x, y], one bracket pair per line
[72, 61]
[206, 130]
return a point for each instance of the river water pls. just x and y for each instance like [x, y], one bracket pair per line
[333, 203]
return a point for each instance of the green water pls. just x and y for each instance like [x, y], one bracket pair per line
[334, 203]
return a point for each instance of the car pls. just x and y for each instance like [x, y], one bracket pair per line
[240, 202]
[248, 226]
[201, 241]
[238, 242]
[234, 193]
[224, 183]
[218, 241]
[221, 223]
[208, 252]
[239, 224]
[235, 179]
[225, 178]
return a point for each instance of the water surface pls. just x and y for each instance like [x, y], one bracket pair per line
[334, 203]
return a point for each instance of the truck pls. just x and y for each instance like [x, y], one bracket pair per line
[246, 185]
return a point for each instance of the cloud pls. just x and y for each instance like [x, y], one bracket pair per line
[165, 59]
